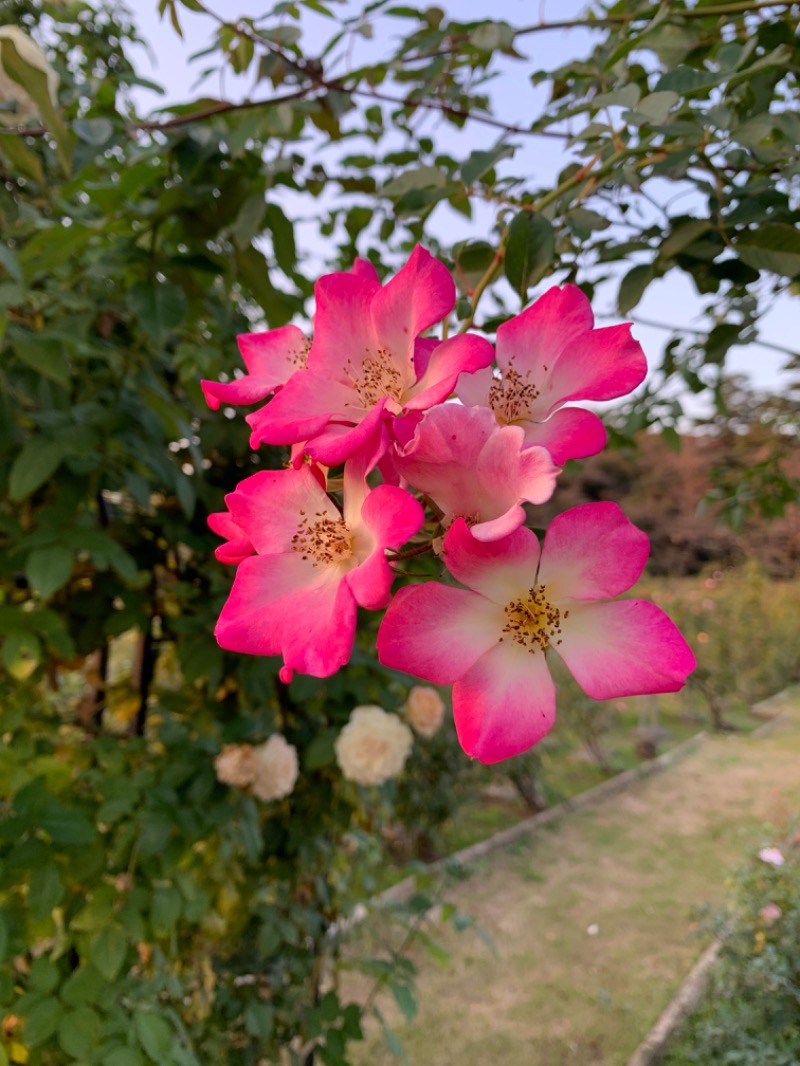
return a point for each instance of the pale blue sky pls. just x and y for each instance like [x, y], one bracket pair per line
[671, 300]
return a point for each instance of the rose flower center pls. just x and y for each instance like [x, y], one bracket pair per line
[532, 621]
[513, 395]
[377, 378]
[324, 539]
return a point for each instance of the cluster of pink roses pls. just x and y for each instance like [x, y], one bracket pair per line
[370, 393]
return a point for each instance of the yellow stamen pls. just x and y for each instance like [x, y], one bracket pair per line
[324, 539]
[513, 395]
[533, 622]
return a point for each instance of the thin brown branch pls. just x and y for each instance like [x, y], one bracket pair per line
[456, 112]
[671, 328]
[624, 17]
[222, 107]
[225, 107]
[409, 553]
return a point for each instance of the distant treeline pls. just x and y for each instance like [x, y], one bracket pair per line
[666, 493]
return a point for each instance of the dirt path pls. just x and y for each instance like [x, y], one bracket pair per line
[593, 916]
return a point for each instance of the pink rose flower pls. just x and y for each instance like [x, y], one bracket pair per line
[473, 468]
[368, 363]
[297, 596]
[551, 355]
[490, 639]
[270, 357]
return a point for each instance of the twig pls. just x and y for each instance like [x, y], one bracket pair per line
[409, 553]
[701, 332]
[624, 17]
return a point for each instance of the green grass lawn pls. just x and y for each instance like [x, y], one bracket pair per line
[594, 920]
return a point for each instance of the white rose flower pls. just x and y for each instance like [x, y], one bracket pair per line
[236, 765]
[425, 710]
[276, 768]
[373, 746]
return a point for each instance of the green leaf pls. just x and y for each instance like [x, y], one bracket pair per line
[67, 827]
[278, 307]
[94, 131]
[45, 890]
[45, 355]
[3, 937]
[418, 178]
[21, 654]
[479, 162]
[686, 80]
[78, 1033]
[283, 244]
[22, 159]
[155, 1035]
[108, 951]
[393, 1044]
[184, 487]
[9, 261]
[44, 976]
[320, 750]
[633, 285]
[530, 251]
[42, 1021]
[48, 569]
[166, 910]
[472, 260]
[259, 1020]
[37, 461]
[160, 307]
[26, 64]
[247, 224]
[655, 107]
[683, 235]
[774, 246]
[123, 1056]
[53, 246]
[84, 985]
[404, 998]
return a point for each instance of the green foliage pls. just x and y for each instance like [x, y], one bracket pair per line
[750, 1013]
[742, 628]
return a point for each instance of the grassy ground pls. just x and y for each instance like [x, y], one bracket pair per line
[568, 769]
[592, 918]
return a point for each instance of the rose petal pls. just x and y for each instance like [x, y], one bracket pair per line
[276, 353]
[505, 704]
[570, 433]
[591, 552]
[472, 388]
[627, 648]
[437, 632]
[500, 570]
[419, 295]
[464, 353]
[302, 409]
[342, 323]
[281, 604]
[269, 506]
